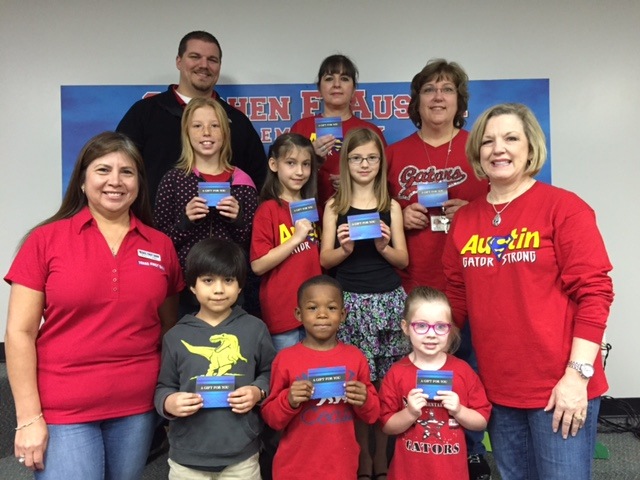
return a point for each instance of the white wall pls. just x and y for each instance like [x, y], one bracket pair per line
[588, 50]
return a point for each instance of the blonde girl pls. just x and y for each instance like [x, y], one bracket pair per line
[366, 268]
[430, 429]
[206, 155]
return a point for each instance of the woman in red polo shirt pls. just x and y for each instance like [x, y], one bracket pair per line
[106, 285]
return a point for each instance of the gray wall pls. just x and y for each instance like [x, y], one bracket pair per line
[588, 50]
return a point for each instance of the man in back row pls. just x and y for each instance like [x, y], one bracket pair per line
[153, 123]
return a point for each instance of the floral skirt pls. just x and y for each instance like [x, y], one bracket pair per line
[373, 325]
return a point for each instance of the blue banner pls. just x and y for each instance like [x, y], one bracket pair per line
[273, 109]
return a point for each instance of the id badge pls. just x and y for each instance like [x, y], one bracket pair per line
[439, 223]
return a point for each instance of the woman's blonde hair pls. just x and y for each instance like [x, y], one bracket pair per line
[342, 198]
[187, 160]
[532, 130]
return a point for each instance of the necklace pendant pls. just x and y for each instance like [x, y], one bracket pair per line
[496, 220]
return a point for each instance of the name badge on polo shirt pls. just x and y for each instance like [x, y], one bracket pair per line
[149, 255]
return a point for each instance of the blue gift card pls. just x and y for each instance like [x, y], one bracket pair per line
[364, 226]
[328, 382]
[215, 390]
[433, 194]
[213, 192]
[430, 381]
[304, 209]
[329, 126]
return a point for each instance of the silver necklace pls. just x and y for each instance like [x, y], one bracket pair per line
[427, 151]
[116, 245]
[497, 220]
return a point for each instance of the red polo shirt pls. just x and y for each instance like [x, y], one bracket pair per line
[99, 346]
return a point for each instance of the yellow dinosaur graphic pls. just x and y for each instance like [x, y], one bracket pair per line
[223, 357]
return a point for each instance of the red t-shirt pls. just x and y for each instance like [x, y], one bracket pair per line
[318, 438]
[307, 128]
[529, 286]
[99, 346]
[408, 166]
[435, 443]
[272, 226]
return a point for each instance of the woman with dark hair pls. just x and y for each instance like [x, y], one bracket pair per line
[527, 265]
[106, 285]
[337, 81]
[435, 154]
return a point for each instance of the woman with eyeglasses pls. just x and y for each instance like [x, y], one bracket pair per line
[337, 82]
[432, 155]
[434, 158]
[527, 264]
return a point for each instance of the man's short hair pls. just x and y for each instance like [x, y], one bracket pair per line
[197, 35]
[215, 256]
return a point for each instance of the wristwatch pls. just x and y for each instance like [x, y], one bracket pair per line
[586, 370]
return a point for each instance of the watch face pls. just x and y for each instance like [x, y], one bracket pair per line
[587, 370]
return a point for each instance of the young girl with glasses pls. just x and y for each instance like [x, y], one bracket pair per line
[373, 294]
[430, 428]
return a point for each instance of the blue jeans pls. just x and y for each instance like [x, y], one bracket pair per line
[114, 449]
[288, 339]
[467, 353]
[525, 447]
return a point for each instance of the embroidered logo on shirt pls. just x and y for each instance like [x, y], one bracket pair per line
[149, 255]
[151, 264]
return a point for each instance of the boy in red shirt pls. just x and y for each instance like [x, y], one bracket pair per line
[318, 433]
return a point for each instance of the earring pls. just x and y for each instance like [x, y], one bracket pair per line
[82, 188]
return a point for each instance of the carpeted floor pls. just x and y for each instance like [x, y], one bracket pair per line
[624, 448]
[624, 463]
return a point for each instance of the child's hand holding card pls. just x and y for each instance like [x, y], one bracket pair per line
[213, 192]
[215, 390]
[304, 209]
[364, 226]
[328, 382]
[431, 381]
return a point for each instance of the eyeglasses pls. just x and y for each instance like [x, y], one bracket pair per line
[431, 91]
[357, 159]
[422, 328]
